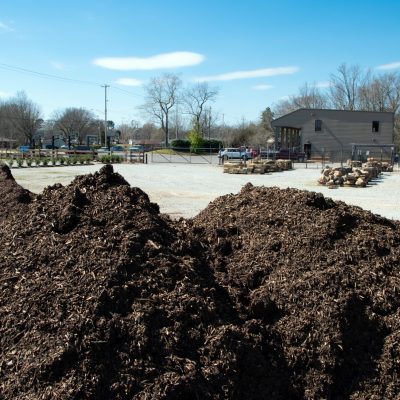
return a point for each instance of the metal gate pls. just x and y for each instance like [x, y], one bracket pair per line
[183, 156]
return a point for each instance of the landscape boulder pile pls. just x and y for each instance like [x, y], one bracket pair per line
[269, 293]
[353, 175]
[257, 166]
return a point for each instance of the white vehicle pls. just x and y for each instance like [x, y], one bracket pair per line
[238, 153]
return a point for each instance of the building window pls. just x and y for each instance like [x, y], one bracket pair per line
[375, 126]
[318, 125]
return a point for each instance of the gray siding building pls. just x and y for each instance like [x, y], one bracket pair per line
[336, 134]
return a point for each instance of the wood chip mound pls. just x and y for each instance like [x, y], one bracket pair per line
[267, 294]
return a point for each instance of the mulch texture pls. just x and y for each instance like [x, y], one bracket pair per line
[266, 294]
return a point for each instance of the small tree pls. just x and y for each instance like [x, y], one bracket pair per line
[195, 138]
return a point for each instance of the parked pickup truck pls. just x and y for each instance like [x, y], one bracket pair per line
[238, 153]
[285, 154]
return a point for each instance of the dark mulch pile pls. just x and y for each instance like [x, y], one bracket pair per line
[13, 197]
[270, 293]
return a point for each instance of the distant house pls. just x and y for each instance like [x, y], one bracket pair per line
[336, 134]
[6, 143]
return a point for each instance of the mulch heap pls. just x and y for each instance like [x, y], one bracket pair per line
[267, 294]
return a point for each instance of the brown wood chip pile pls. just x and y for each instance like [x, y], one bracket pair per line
[267, 294]
[321, 280]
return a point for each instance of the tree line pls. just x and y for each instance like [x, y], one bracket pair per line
[173, 111]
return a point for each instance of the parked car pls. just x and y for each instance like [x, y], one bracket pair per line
[268, 153]
[236, 153]
[82, 148]
[24, 149]
[286, 154]
[117, 148]
[137, 148]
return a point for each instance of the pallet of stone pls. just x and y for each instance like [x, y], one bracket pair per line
[354, 163]
[332, 176]
[284, 164]
[342, 176]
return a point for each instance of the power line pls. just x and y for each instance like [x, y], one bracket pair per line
[44, 75]
[60, 78]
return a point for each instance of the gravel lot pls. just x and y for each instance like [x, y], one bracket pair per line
[186, 189]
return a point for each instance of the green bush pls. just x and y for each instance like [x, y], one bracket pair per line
[115, 158]
[29, 161]
[20, 162]
[196, 141]
[10, 162]
[180, 144]
[214, 144]
[105, 159]
[45, 161]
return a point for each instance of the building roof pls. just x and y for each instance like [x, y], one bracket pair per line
[318, 112]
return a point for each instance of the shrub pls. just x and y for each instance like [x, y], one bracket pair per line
[20, 162]
[45, 161]
[10, 162]
[105, 159]
[180, 144]
[214, 144]
[196, 141]
[116, 159]
[29, 161]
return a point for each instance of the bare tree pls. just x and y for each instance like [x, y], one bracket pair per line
[75, 122]
[284, 106]
[195, 102]
[381, 93]
[309, 97]
[345, 87]
[7, 128]
[24, 116]
[162, 95]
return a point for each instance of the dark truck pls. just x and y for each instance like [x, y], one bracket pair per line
[286, 154]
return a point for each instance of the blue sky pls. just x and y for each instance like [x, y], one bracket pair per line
[255, 52]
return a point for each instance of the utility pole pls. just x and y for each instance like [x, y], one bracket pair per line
[105, 113]
[209, 124]
[176, 122]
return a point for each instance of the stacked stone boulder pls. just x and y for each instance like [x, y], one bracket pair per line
[257, 166]
[353, 175]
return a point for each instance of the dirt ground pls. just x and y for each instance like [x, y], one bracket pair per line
[183, 190]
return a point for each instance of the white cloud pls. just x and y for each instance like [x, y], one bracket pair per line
[159, 61]
[323, 84]
[393, 65]
[128, 82]
[262, 87]
[258, 73]
[57, 65]
[4, 95]
[6, 27]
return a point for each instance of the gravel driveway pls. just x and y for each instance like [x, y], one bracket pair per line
[183, 190]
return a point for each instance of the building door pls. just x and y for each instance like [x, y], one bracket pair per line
[307, 150]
